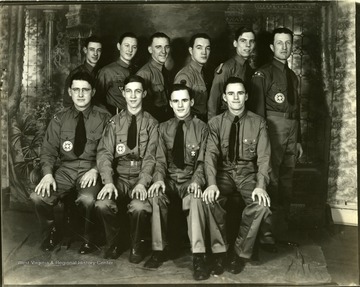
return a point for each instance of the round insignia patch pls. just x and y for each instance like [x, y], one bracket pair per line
[120, 148]
[193, 153]
[279, 98]
[67, 146]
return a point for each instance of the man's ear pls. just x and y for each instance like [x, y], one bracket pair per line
[224, 97]
[69, 91]
[191, 102]
[93, 91]
[144, 94]
[272, 47]
[170, 103]
[118, 46]
[191, 51]
[84, 50]
[246, 97]
[235, 43]
[150, 49]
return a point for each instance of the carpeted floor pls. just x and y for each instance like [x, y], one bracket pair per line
[25, 263]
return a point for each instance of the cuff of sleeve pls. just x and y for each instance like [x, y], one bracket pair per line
[211, 181]
[158, 177]
[261, 184]
[47, 170]
[106, 178]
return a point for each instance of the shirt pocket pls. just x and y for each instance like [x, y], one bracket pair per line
[192, 152]
[143, 142]
[115, 86]
[249, 147]
[67, 140]
[277, 92]
[159, 95]
[200, 95]
[93, 139]
[224, 148]
[121, 148]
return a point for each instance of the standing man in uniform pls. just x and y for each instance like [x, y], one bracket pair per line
[126, 161]
[237, 66]
[179, 176]
[72, 136]
[192, 75]
[157, 78]
[237, 162]
[275, 97]
[110, 79]
[92, 50]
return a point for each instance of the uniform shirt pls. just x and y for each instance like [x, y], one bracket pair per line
[60, 136]
[195, 133]
[254, 148]
[234, 67]
[87, 68]
[151, 72]
[110, 81]
[194, 79]
[269, 91]
[113, 149]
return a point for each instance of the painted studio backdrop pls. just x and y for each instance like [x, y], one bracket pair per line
[40, 44]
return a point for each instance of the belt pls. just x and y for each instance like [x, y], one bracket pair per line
[129, 162]
[290, 116]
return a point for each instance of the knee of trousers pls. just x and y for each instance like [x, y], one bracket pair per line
[196, 203]
[260, 209]
[87, 201]
[138, 206]
[106, 205]
[39, 200]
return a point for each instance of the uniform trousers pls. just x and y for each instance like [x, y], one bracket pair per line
[253, 217]
[283, 139]
[67, 178]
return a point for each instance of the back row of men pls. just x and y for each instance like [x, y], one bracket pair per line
[145, 167]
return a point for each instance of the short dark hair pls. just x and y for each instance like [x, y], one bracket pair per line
[83, 76]
[158, 35]
[92, 38]
[127, 34]
[135, 78]
[241, 31]
[234, 80]
[282, 30]
[181, 87]
[196, 36]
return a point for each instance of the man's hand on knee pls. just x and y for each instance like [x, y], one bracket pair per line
[139, 192]
[107, 191]
[211, 194]
[155, 188]
[195, 189]
[89, 178]
[262, 196]
[45, 184]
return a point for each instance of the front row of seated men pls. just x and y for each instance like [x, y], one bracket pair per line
[130, 164]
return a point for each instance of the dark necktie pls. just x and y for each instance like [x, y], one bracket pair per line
[290, 87]
[233, 146]
[80, 136]
[164, 72]
[132, 132]
[178, 147]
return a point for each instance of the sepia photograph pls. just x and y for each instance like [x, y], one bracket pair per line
[179, 143]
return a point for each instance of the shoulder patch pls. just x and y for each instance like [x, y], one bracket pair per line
[219, 69]
[111, 121]
[259, 74]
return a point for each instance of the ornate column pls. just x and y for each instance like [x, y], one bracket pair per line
[49, 32]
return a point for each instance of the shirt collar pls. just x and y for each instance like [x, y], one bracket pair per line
[156, 64]
[196, 66]
[88, 67]
[187, 120]
[278, 64]
[122, 63]
[240, 59]
[229, 115]
[129, 115]
[86, 113]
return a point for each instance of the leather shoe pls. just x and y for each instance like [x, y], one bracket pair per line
[50, 241]
[113, 252]
[236, 264]
[218, 265]
[201, 272]
[156, 259]
[268, 247]
[137, 254]
[87, 248]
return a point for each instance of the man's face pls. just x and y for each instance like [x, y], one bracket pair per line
[200, 52]
[282, 46]
[159, 49]
[245, 44]
[81, 94]
[127, 48]
[181, 103]
[235, 96]
[93, 52]
[134, 93]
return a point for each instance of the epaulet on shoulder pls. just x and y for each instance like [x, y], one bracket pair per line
[259, 74]
[100, 109]
[219, 69]
[252, 114]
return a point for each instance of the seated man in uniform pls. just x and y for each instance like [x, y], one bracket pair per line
[237, 160]
[72, 136]
[179, 175]
[126, 160]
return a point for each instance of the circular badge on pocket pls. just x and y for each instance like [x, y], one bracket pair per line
[67, 146]
[120, 148]
[279, 98]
